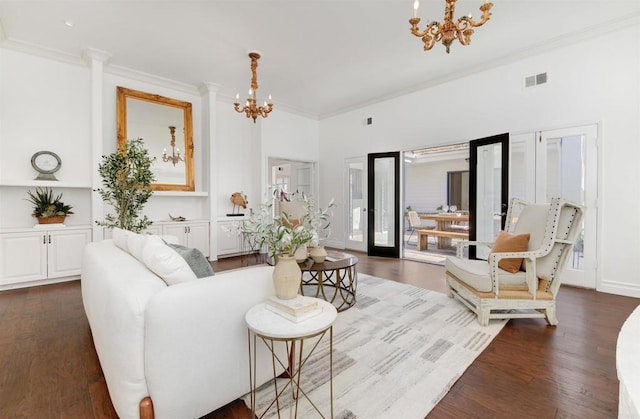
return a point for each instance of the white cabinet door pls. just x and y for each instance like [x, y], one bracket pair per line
[65, 251]
[190, 234]
[198, 237]
[229, 238]
[23, 257]
[178, 230]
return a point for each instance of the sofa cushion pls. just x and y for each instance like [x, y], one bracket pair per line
[475, 273]
[120, 238]
[165, 262]
[507, 242]
[195, 259]
[135, 243]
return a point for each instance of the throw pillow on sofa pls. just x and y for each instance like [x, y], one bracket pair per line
[120, 238]
[195, 259]
[165, 262]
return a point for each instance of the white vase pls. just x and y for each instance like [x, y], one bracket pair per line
[301, 254]
[318, 254]
[286, 277]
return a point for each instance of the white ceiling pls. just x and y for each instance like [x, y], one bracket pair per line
[319, 57]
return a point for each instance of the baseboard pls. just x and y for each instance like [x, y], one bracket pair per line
[619, 288]
[39, 282]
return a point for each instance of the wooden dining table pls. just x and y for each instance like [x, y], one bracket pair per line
[444, 221]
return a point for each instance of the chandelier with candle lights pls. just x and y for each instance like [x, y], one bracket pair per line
[449, 30]
[251, 108]
[175, 156]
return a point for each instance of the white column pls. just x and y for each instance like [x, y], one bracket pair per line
[96, 61]
[209, 171]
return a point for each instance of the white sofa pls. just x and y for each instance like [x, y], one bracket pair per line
[183, 346]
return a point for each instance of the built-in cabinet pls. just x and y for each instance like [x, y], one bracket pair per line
[190, 233]
[32, 255]
[230, 239]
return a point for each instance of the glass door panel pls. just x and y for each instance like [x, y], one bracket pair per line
[356, 216]
[488, 177]
[384, 203]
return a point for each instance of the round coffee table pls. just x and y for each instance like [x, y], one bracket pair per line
[335, 280]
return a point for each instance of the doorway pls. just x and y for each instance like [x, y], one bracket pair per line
[562, 162]
[356, 199]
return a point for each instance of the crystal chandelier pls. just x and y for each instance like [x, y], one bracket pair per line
[448, 30]
[175, 156]
[251, 109]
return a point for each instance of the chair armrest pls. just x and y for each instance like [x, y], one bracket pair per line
[529, 259]
[466, 243]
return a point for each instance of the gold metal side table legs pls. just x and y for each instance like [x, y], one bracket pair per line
[293, 366]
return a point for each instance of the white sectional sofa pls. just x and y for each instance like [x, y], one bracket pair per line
[176, 351]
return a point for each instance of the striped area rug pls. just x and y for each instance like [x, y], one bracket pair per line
[396, 353]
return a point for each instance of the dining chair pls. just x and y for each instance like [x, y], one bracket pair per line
[416, 224]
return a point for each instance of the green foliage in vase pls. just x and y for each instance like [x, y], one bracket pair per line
[126, 176]
[45, 205]
[282, 235]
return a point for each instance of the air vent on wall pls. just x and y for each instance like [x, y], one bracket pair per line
[531, 81]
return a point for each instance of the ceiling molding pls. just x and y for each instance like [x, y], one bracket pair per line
[152, 79]
[39, 51]
[533, 50]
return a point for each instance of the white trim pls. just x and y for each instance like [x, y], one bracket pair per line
[29, 284]
[619, 288]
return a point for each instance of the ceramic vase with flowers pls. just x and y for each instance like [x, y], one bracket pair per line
[286, 241]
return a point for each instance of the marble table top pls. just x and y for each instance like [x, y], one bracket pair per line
[268, 324]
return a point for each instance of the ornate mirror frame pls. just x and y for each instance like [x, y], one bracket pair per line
[123, 95]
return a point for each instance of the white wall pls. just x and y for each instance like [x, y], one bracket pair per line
[425, 184]
[44, 105]
[593, 81]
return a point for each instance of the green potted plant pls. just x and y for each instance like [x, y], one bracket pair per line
[47, 208]
[126, 176]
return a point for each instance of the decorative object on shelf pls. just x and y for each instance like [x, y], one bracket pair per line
[46, 163]
[251, 109]
[178, 218]
[47, 208]
[238, 199]
[286, 277]
[126, 176]
[318, 253]
[175, 156]
[449, 30]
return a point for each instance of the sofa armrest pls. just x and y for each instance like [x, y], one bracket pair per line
[196, 344]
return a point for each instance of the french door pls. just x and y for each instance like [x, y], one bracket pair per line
[564, 163]
[356, 199]
[383, 235]
[488, 190]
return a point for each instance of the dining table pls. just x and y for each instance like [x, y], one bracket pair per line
[444, 222]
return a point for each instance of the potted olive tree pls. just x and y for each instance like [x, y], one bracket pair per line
[126, 176]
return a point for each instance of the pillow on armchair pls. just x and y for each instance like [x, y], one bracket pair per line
[507, 242]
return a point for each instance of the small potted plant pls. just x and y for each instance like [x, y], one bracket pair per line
[47, 208]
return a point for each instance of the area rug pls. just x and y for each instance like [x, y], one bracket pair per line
[396, 353]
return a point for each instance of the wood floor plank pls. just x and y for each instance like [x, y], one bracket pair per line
[49, 367]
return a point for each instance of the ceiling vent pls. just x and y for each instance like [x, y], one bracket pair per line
[531, 81]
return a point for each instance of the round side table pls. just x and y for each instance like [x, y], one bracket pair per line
[334, 281]
[270, 328]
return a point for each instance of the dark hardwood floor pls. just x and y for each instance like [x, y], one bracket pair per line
[49, 368]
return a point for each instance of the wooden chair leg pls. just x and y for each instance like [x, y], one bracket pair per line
[146, 408]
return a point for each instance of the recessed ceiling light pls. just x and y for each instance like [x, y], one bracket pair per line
[68, 23]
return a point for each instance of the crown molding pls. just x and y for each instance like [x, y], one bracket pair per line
[209, 87]
[129, 73]
[39, 51]
[93, 54]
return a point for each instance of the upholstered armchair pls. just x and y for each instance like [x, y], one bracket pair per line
[523, 272]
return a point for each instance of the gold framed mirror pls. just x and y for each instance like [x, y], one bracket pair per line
[166, 126]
